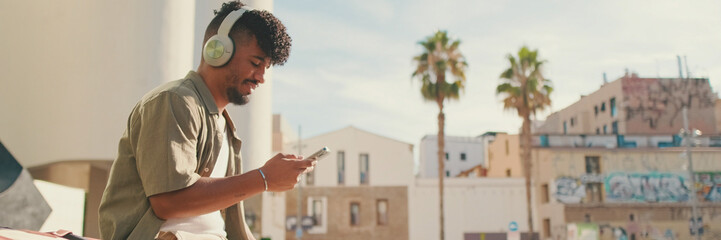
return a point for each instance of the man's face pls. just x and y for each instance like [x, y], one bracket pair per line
[245, 71]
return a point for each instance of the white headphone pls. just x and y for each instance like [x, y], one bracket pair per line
[220, 48]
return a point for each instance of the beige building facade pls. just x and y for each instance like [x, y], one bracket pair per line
[353, 213]
[504, 156]
[613, 164]
[636, 105]
[358, 191]
[717, 112]
[639, 193]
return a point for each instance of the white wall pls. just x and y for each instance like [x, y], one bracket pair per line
[73, 70]
[473, 147]
[472, 205]
[68, 207]
[390, 161]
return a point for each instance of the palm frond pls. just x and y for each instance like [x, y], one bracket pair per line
[523, 84]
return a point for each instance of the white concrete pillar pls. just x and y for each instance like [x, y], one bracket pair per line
[73, 70]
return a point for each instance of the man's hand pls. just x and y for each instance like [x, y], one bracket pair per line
[283, 171]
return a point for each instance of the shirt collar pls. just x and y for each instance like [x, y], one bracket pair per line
[203, 91]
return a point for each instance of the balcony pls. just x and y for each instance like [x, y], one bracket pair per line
[619, 141]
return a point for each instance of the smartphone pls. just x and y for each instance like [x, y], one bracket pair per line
[319, 154]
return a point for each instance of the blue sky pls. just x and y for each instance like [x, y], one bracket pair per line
[351, 60]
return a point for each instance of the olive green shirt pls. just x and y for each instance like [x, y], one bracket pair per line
[172, 139]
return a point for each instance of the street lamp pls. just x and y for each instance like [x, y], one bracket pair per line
[689, 138]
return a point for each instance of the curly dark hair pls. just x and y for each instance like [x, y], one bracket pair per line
[268, 30]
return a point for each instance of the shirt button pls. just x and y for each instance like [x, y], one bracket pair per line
[207, 169]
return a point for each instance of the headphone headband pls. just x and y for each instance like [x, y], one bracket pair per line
[230, 20]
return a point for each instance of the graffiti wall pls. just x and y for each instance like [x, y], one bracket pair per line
[582, 231]
[570, 190]
[654, 105]
[641, 187]
[708, 186]
[646, 187]
[634, 230]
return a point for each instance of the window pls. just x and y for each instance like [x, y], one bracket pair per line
[593, 189]
[547, 227]
[587, 218]
[317, 207]
[382, 211]
[448, 173]
[593, 192]
[605, 129]
[364, 168]
[603, 106]
[446, 156]
[508, 172]
[595, 110]
[507, 148]
[565, 128]
[317, 212]
[341, 167]
[614, 127]
[572, 122]
[544, 193]
[598, 131]
[463, 156]
[354, 214]
[593, 165]
[612, 105]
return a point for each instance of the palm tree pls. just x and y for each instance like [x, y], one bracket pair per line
[527, 91]
[440, 55]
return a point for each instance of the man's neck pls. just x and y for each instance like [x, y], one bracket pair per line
[214, 84]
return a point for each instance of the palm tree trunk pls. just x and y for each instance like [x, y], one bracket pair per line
[441, 165]
[526, 158]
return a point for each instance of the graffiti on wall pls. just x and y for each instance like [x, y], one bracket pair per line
[633, 230]
[652, 99]
[641, 187]
[708, 186]
[570, 190]
[582, 231]
[646, 187]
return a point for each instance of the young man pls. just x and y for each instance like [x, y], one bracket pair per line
[177, 175]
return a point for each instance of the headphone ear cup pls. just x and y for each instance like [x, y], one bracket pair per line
[218, 50]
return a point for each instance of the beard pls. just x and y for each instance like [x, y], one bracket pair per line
[235, 96]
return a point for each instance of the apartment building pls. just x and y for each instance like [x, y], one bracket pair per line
[613, 165]
[504, 156]
[636, 105]
[636, 193]
[359, 191]
[461, 154]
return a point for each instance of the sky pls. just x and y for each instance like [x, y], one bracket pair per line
[351, 60]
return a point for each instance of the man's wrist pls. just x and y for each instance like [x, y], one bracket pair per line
[265, 181]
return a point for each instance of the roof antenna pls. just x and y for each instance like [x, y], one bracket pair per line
[680, 69]
[688, 74]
